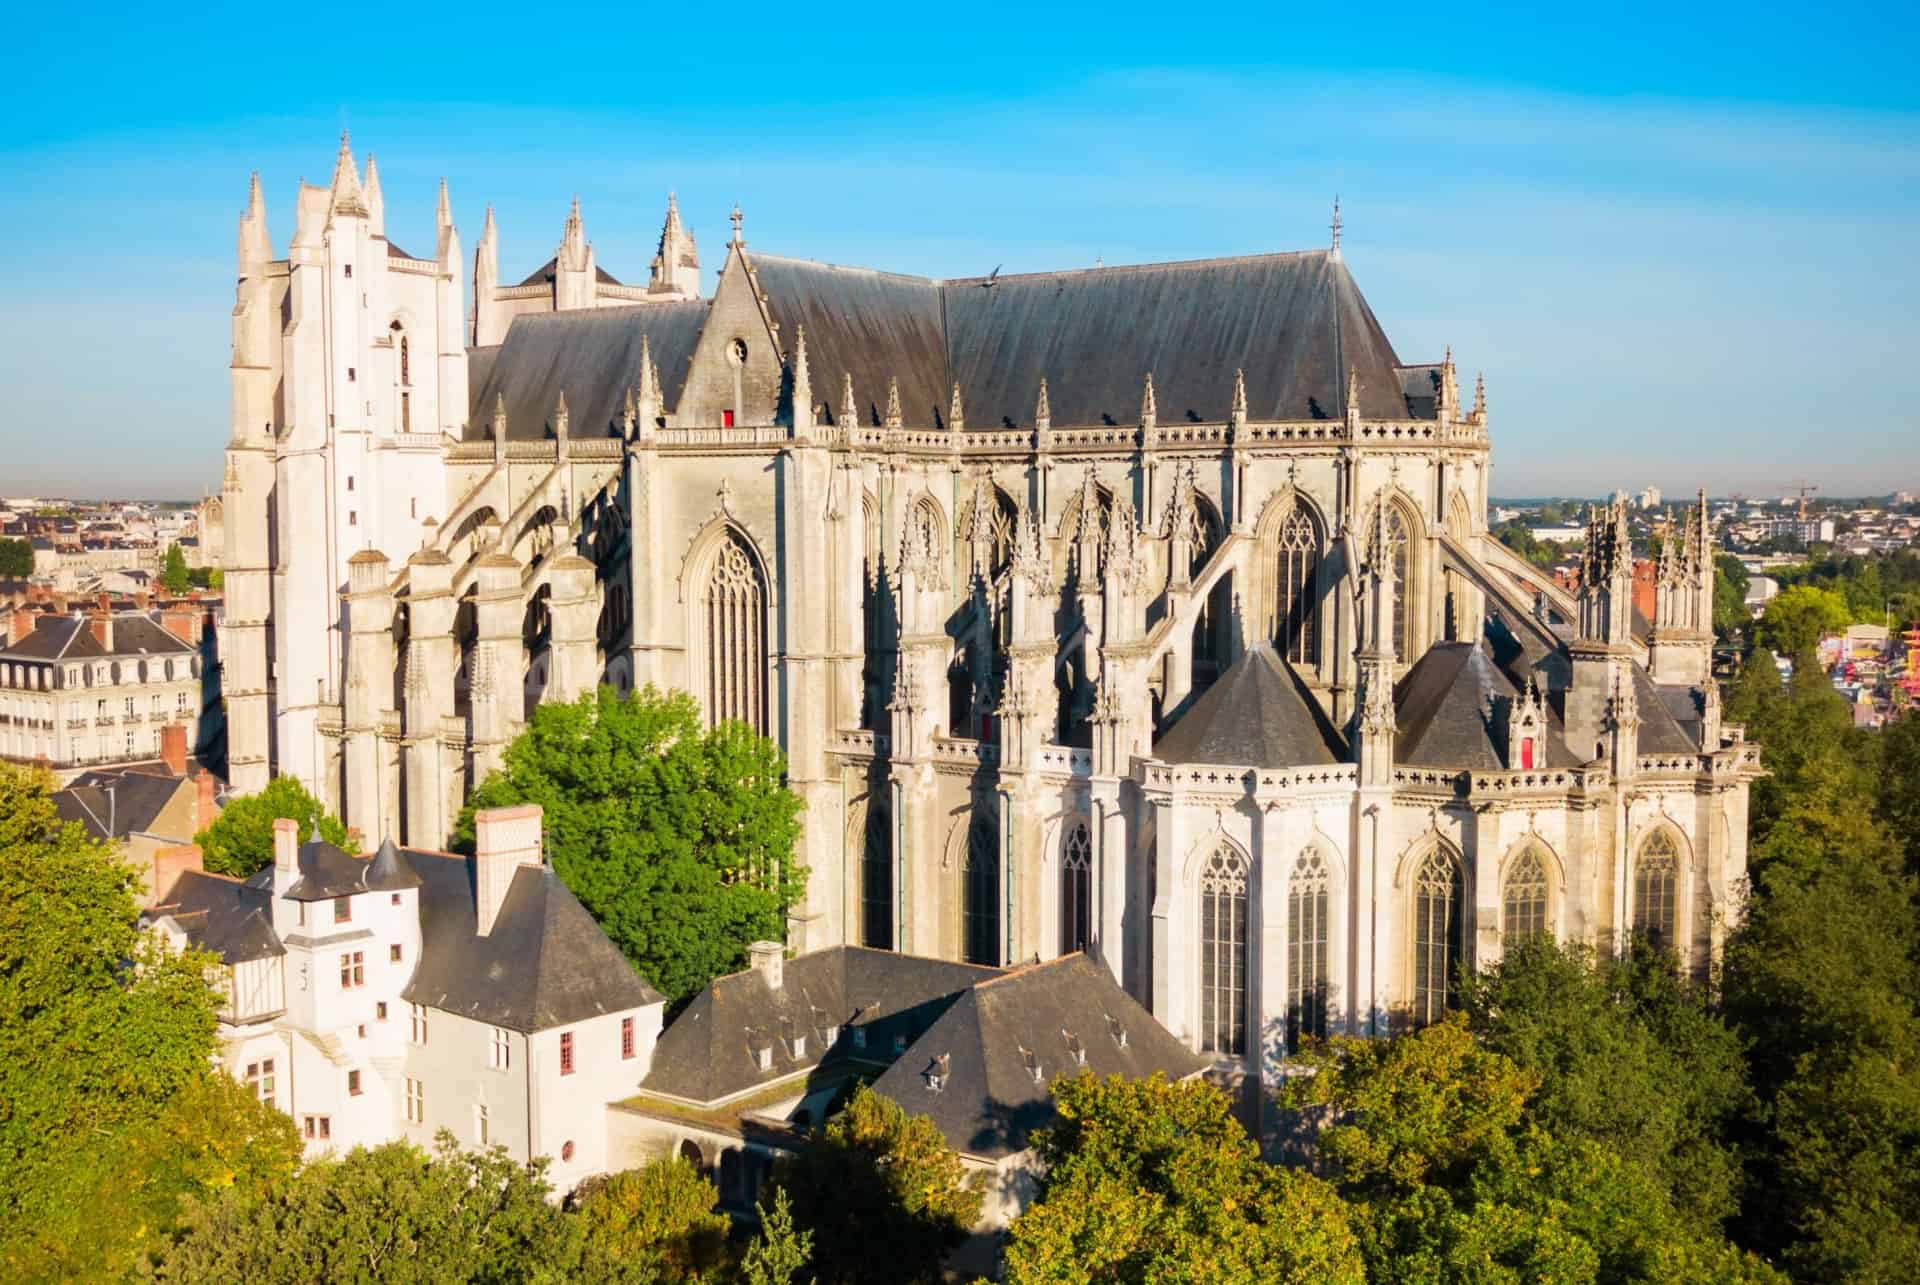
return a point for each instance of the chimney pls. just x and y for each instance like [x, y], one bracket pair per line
[206, 805]
[179, 622]
[20, 625]
[102, 624]
[504, 839]
[173, 748]
[169, 864]
[142, 599]
[769, 960]
[286, 853]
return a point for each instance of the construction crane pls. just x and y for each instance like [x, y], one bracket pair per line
[1803, 489]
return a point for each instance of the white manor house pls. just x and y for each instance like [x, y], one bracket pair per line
[1148, 610]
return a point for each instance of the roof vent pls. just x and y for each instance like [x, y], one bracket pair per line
[1075, 1048]
[1118, 1031]
[936, 1073]
[1034, 1068]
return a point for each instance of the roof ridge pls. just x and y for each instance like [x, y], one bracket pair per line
[1121, 269]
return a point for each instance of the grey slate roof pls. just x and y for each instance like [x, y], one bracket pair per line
[592, 355]
[544, 964]
[112, 805]
[547, 271]
[327, 872]
[996, 1034]
[1449, 712]
[389, 872]
[230, 918]
[1294, 323]
[1256, 714]
[1660, 731]
[70, 638]
[708, 1053]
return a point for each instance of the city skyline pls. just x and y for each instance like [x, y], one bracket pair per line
[1674, 268]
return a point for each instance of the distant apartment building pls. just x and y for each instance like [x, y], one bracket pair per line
[97, 690]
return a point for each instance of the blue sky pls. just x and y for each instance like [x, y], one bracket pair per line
[1680, 241]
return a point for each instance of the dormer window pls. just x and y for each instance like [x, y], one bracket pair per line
[859, 1037]
[1034, 1069]
[830, 1035]
[799, 1048]
[763, 1057]
[1116, 1030]
[343, 910]
[900, 1044]
[936, 1073]
[1075, 1049]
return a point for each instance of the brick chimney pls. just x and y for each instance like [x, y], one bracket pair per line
[142, 599]
[769, 959]
[20, 625]
[180, 622]
[101, 622]
[173, 748]
[206, 804]
[169, 864]
[286, 853]
[504, 840]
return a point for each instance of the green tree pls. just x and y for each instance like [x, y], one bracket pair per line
[1148, 1181]
[883, 1195]
[1798, 616]
[240, 840]
[16, 559]
[174, 576]
[106, 1041]
[679, 840]
[654, 1223]
[390, 1214]
[1628, 1055]
[780, 1250]
[1730, 585]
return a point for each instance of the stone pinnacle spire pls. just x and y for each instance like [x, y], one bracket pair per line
[1042, 411]
[1239, 408]
[956, 414]
[894, 418]
[1149, 408]
[347, 196]
[376, 199]
[255, 248]
[849, 409]
[443, 212]
[802, 382]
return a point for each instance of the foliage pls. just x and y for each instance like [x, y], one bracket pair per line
[780, 1250]
[174, 576]
[206, 578]
[882, 1194]
[654, 1223]
[1730, 585]
[1628, 1056]
[392, 1214]
[678, 840]
[1516, 536]
[240, 841]
[1899, 788]
[105, 1046]
[1146, 1181]
[16, 559]
[1797, 617]
[1873, 587]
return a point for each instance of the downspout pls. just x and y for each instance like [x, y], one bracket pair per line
[526, 1047]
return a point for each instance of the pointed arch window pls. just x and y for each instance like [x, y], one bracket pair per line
[876, 874]
[1397, 546]
[1654, 876]
[1296, 569]
[981, 893]
[1307, 950]
[1436, 934]
[403, 383]
[1523, 898]
[1076, 890]
[733, 614]
[1223, 952]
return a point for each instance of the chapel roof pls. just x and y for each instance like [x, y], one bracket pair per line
[1257, 714]
[1450, 710]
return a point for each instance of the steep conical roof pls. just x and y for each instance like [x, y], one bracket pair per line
[1255, 715]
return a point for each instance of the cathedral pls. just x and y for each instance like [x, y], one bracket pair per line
[1144, 611]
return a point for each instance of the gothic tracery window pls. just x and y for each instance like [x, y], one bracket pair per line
[981, 893]
[1076, 890]
[1307, 949]
[1437, 892]
[1654, 876]
[1223, 951]
[1297, 566]
[733, 606]
[1397, 544]
[876, 874]
[1523, 899]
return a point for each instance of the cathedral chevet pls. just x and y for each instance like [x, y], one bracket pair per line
[1148, 611]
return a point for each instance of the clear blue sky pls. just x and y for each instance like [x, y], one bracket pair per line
[1681, 241]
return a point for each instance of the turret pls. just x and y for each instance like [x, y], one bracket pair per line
[1681, 649]
[676, 264]
[573, 268]
[1600, 694]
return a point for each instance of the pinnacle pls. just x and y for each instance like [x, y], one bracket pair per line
[849, 411]
[1149, 408]
[1239, 392]
[1042, 412]
[347, 196]
[893, 402]
[444, 212]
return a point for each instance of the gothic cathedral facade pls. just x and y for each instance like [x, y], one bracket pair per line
[1147, 611]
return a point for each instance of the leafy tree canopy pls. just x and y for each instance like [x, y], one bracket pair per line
[240, 841]
[679, 840]
[882, 1194]
[1150, 1181]
[654, 1223]
[16, 558]
[174, 576]
[1797, 617]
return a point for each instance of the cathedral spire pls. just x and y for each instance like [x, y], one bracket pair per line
[1149, 408]
[376, 200]
[956, 413]
[1042, 412]
[348, 200]
[894, 418]
[802, 383]
[573, 243]
[676, 260]
[849, 409]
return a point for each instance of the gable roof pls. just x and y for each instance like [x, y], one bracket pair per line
[71, 638]
[230, 918]
[112, 805]
[1256, 714]
[1449, 712]
[592, 355]
[1058, 1018]
[546, 272]
[708, 1053]
[545, 963]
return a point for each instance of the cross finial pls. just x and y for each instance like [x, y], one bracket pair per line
[736, 217]
[1336, 223]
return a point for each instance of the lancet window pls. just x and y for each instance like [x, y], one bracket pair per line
[1076, 889]
[1523, 908]
[733, 610]
[1307, 949]
[1223, 951]
[1296, 568]
[981, 893]
[876, 874]
[1436, 934]
[1654, 876]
